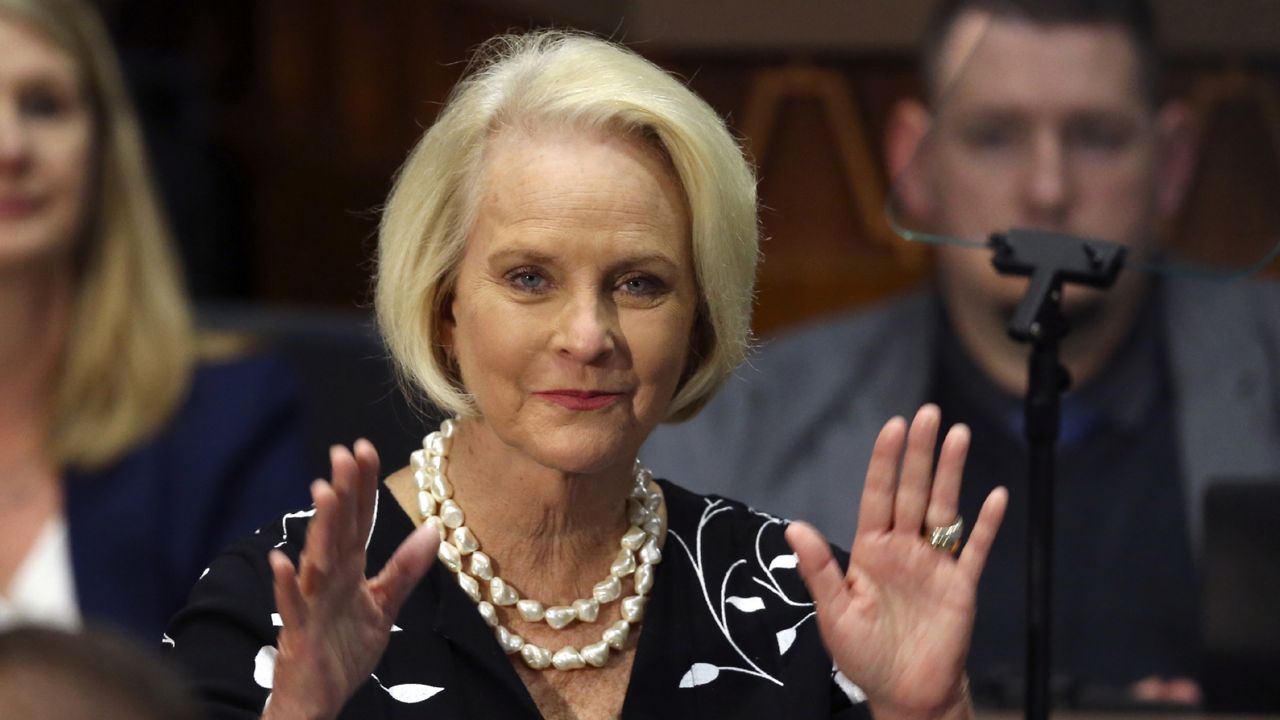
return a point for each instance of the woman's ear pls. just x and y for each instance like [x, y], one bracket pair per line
[446, 325]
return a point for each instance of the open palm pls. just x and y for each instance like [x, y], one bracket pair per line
[336, 621]
[898, 622]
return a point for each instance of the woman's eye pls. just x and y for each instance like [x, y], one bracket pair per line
[45, 105]
[641, 285]
[528, 280]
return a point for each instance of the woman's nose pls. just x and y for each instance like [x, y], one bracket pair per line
[588, 329]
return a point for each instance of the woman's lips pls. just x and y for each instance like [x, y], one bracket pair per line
[580, 399]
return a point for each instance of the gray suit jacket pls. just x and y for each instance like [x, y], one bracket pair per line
[791, 432]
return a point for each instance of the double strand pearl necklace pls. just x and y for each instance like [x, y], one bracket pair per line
[638, 554]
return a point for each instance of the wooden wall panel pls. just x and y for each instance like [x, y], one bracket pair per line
[338, 91]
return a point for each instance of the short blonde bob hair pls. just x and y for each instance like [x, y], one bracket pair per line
[564, 79]
[130, 352]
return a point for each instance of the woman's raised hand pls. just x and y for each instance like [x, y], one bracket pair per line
[898, 623]
[336, 622]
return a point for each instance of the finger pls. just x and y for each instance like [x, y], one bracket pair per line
[318, 550]
[875, 514]
[944, 499]
[405, 569]
[917, 472]
[346, 481]
[974, 556]
[369, 465]
[289, 600]
[819, 570]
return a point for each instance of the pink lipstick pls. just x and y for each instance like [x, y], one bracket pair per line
[580, 399]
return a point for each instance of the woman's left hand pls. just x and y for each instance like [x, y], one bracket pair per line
[898, 623]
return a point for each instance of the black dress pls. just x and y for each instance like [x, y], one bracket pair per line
[728, 632]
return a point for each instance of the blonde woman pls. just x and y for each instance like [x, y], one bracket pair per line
[127, 457]
[566, 261]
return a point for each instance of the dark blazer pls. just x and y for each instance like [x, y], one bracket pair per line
[144, 529]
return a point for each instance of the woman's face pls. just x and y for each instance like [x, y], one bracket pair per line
[46, 136]
[575, 299]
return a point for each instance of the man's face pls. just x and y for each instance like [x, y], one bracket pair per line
[1040, 126]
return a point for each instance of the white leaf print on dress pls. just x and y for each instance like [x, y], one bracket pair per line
[701, 673]
[409, 693]
[787, 562]
[264, 666]
[747, 605]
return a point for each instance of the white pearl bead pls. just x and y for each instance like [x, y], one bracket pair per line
[439, 486]
[426, 503]
[481, 566]
[624, 565]
[560, 616]
[531, 610]
[421, 478]
[436, 444]
[596, 654]
[644, 579]
[634, 538]
[488, 612]
[586, 610]
[437, 463]
[465, 540]
[434, 522]
[567, 658]
[636, 513]
[450, 556]
[650, 553]
[451, 514]
[511, 643]
[535, 657]
[616, 635]
[501, 593]
[418, 459]
[606, 591]
[633, 608]
[653, 526]
[651, 502]
[469, 586]
[448, 427]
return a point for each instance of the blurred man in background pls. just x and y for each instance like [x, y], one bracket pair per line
[1044, 114]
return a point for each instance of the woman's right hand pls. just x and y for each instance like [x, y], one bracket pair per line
[335, 621]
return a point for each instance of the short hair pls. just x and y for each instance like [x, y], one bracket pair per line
[567, 79]
[48, 673]
[130, 352]
[1135, 17]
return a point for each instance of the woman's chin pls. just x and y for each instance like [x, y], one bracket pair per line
[585, 453]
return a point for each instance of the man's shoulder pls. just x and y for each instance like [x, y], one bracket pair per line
[849, 331]
[849, 352]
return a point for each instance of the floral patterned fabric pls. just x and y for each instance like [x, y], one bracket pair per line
[729, 630]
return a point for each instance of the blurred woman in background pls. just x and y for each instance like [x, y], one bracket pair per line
[130, 450]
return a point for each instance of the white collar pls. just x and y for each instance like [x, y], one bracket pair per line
[43, 591]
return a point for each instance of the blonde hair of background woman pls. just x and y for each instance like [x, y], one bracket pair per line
[129, 358]
[567, 79]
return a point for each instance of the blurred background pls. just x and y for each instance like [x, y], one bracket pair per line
[276, 125]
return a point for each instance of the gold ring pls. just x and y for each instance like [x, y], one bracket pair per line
[947, 537]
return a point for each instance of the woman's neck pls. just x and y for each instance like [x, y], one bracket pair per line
[35, 315]
[550, 533]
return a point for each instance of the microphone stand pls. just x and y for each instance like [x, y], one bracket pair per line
[1049, 260]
